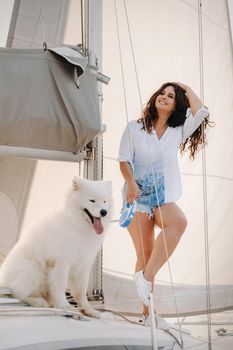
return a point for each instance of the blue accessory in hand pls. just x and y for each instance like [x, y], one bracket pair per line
[127, 214]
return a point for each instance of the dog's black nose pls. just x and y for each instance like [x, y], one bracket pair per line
[103, 212]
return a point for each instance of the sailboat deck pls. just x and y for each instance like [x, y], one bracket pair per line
[38, 328]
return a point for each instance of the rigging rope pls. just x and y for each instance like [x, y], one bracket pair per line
[126, 110]
[203, 153]
[150, 158]
[156, 190]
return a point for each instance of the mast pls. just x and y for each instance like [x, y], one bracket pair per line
[93, 162]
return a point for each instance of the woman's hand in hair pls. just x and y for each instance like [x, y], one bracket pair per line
[194, 100]
[183, 86]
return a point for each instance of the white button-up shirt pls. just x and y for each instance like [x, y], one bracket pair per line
[154, 161]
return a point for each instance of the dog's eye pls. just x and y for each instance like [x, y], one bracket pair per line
[92, 200]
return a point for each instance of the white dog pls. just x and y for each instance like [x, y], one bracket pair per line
[61, 250]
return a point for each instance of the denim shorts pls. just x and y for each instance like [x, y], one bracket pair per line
[152, 193]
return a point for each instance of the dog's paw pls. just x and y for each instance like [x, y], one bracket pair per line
[91, 312]
[64, 306]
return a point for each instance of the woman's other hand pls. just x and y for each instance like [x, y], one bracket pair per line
[133, 192]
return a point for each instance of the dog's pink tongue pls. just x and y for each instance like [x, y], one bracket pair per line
[98, 225]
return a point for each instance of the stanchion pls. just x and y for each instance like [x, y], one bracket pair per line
[152, 324]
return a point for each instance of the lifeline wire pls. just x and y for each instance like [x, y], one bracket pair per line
[206, 233]
[159, 208]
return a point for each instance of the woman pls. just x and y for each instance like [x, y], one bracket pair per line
[148, 162]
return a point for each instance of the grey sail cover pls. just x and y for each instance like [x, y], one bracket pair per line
[48, 99]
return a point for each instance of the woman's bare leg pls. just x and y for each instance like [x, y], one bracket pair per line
[174, 224]
[141, 230]
[152, 254]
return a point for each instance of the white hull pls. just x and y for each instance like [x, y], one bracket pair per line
[33, 329]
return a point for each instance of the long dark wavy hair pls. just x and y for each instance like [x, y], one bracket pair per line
[177, 118]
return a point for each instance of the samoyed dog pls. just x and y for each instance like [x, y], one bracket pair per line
[60, 252]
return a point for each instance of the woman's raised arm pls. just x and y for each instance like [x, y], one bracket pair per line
[194, 100]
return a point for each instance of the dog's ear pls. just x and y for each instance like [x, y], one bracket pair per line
[77, 183]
